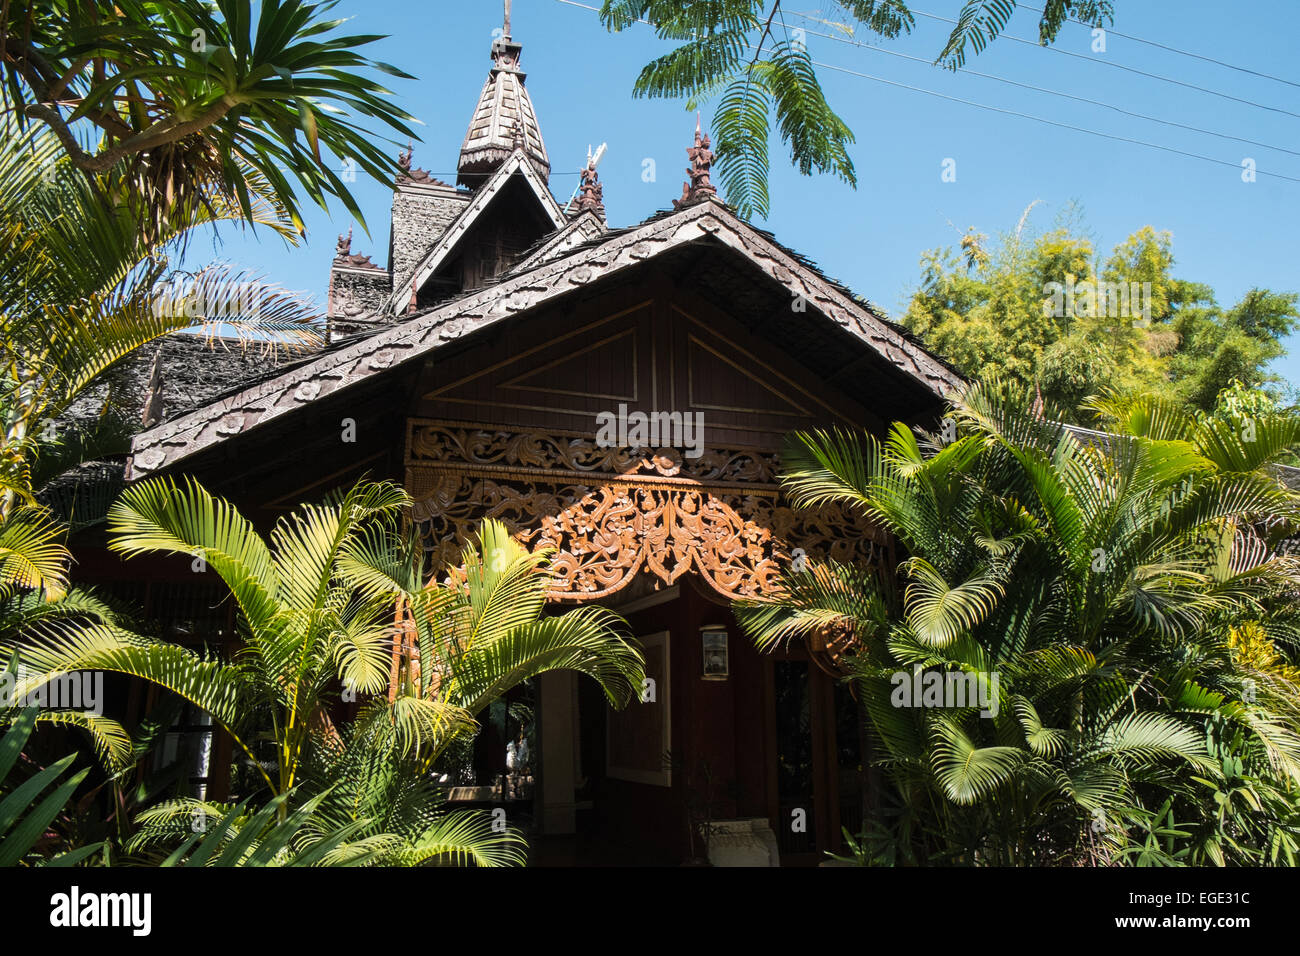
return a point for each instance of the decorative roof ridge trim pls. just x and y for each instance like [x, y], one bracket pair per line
[372, 268]
[173, 440]
[443, 189]
[542, 252]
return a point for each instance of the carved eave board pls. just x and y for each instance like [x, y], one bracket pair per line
[608, 515]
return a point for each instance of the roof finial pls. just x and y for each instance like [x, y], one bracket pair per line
[593, 192]
[504, 113]
[698, 187]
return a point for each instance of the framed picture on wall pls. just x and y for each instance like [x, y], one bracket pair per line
[717, 660]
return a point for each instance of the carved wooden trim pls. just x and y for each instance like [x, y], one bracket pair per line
[609, 514]
[565, 455]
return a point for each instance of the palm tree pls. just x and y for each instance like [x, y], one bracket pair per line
[78, 293]
[184, 98]
[29, 806]
[82, 289]
[1087, 591]
[322, 603]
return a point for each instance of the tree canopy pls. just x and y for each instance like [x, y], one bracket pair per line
[741, 55]
[176, 98]
[1046, 310]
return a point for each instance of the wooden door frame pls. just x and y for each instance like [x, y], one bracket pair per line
[826, 796]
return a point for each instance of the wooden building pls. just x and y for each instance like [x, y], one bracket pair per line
[478, 368]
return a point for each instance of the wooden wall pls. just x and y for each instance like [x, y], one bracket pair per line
[650, 346]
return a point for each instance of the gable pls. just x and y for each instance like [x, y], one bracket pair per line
[511, 211]
[585, 226]
[647, 347]
[838, 337]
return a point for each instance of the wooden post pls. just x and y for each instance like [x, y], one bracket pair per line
[556, 720]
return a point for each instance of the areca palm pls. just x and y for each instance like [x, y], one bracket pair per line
[79, 291]
[322, 603]
[29, 806]
[1099, 582]
[182, 97]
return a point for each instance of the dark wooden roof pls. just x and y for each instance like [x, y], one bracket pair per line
[742, 268]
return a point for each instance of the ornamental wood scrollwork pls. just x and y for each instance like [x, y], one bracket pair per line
[610, 514]
[580, 456]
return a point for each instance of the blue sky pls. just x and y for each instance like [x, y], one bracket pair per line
[1230, 234]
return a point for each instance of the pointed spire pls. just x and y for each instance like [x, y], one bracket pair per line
[504, 119]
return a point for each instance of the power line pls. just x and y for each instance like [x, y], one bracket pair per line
[1040, 119]
[1008, 112]
[1090, 59]
[1127, 69]
[1174, 49]
[1039, 89]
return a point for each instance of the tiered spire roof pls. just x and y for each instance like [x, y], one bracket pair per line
[504, 119]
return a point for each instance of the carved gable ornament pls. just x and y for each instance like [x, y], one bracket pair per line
[610, 514]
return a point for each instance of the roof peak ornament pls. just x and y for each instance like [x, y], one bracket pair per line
[592, 190]
[698, 187]
[505, 52]
[589, 194]
[420, 176]
[345, 257]
[504, 119]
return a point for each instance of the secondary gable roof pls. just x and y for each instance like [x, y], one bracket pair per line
[518, 164]
[617, 252]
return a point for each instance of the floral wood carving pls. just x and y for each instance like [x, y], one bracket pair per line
[434, 442]
[609, 514]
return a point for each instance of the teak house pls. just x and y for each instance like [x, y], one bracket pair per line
[476, 368]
